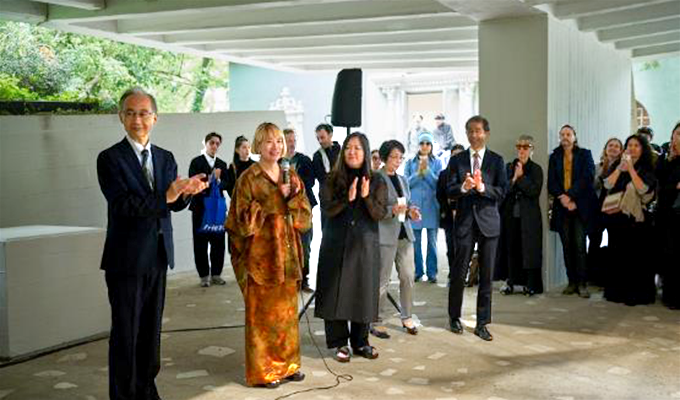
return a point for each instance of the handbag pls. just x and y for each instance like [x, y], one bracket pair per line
[215, 210]
[612, 203]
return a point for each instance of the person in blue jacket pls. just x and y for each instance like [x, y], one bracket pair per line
[422, 173]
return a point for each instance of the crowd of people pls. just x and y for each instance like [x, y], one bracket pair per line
[372, 218]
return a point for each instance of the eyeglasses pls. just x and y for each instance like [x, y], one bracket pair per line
[524, 146]
[129, 114]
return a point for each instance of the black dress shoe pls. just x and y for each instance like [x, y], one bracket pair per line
[456, 326]
[483, 333]
[298, 376]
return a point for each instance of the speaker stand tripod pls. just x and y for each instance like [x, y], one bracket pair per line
[313, 295]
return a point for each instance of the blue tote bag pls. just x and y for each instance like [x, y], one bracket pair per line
[215, 210]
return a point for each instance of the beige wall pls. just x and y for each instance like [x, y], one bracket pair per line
[537, 73]
[48, 164]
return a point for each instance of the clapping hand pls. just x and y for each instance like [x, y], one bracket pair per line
[469, 183]
[414, 213]
[519, 171]
[365, 187]
[479, 184]
[186, 186]
[353, 190]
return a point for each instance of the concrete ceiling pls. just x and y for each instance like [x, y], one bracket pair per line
[403, 35]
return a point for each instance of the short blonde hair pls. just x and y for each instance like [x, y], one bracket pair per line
[264, 131]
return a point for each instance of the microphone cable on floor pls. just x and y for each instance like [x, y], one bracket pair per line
[338, 377]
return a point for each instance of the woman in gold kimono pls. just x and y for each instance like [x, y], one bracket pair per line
[265, 220]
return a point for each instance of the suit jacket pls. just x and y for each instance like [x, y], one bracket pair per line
[305, 170]
[390, 226]
[199, 165]
[317, 163]
[472, 205]
[582, 189]
[136, 213]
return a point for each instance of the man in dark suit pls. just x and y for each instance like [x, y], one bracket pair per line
[209, 164]
[571, 173]
[325, 157]
[303, 166]
[140, 183]
[478, 182]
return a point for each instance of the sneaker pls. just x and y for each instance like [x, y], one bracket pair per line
[432, 280]
[583, 292]
[205, 281]
[217, 280]
[507, 289]
[306, 288]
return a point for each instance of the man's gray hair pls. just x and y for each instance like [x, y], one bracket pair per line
[135, 91]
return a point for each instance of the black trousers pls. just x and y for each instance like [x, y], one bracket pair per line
[450, 234]
[339, 332]
[201, 241]
[137, 303]
[517, 274]
[573, 238]
[306, 248]
[487, 257]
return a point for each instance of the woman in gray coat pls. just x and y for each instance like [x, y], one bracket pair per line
[396, 236]
[354, 200]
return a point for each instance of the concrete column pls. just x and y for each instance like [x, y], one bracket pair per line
[537, 73]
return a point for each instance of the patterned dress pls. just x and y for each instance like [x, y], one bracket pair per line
[266, 254]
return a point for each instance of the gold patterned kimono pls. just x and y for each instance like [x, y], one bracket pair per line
[267, 257]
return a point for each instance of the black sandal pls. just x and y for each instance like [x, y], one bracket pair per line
[366, 352]
[342, 354]
[298, 376]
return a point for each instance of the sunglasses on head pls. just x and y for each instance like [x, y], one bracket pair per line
[523, 146]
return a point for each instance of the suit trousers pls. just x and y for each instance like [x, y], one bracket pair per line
[201, 241]
[137, 303]
[487, 258]
[401, 256]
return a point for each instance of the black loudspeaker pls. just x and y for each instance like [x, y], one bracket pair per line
[347, 98]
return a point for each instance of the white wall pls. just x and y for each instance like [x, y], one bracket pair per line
[537, 73]
[48, 170]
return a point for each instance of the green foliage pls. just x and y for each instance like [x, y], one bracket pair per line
[44, 64]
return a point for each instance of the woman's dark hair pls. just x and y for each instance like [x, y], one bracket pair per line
[387, 147]
[339, 178]
[646, 159]
[674, 128]
[239, 141]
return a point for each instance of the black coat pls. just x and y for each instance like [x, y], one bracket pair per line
[136, 213]
[234, 172]
[199, 165]
[348, 275]
[317, 163]
[582, 190]
[526, 191]
[303, 166]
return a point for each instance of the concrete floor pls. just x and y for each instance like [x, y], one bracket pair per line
[545, 347]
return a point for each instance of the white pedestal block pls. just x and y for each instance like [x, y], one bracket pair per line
[52, 291]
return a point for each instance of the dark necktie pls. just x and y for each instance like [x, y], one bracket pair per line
[475, 165]
[146, 169]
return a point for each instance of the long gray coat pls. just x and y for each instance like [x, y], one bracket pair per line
[348, 278]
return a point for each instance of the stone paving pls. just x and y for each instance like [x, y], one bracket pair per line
[545, 347]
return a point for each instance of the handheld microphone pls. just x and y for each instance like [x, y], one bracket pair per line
[285, 168]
